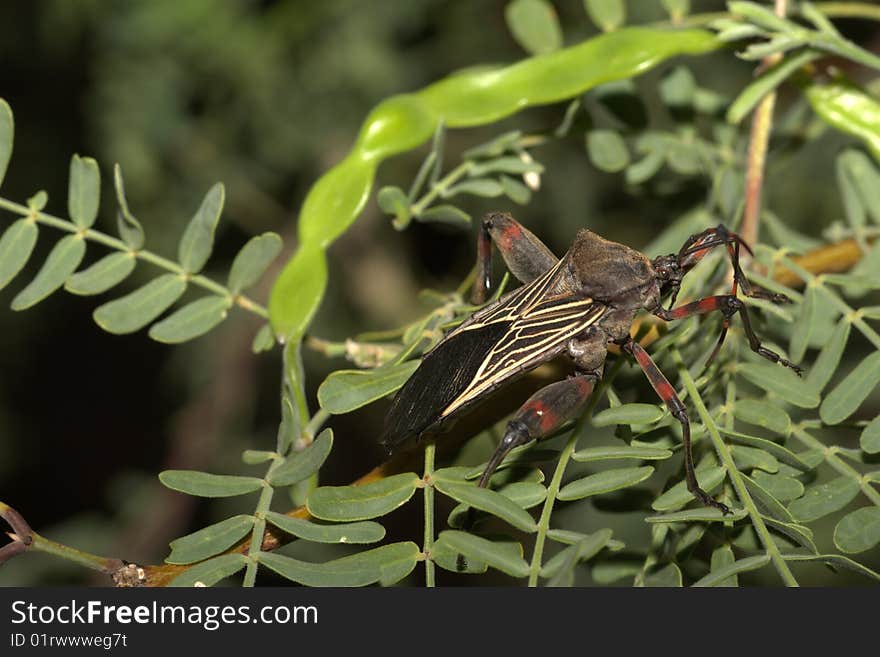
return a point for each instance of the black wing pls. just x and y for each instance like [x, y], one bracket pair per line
[517, 333]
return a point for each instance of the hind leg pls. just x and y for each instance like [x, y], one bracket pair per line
[524, 254]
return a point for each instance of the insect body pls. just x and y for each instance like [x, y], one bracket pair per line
[577, 305]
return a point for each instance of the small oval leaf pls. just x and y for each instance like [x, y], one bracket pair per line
[445, 214]
[489, 501]
[849, 394]
[108, 272]
[704, 514]
[61, 263]
[604, 453]
[387, 565]
[828, 359]
[607, 15]
[781, 381]
[604, 482]
[607, 150]
[676, 497]
[210, 541]
[782, 487]
[534, 25]
[84, 191]
[347, 503]
[869, 441]
[137, 309]
[858, 531]
[7, 132]
[16, 247]
[198, 238]
[819, 501]
[763, 414]
[204, 484]
[506, 557]
[253, 260]
[211, 571]
[628, 414]
[345, 390]
[302, 465]
[724, 573]
[191, 321]
[354, 533]
[129, 227]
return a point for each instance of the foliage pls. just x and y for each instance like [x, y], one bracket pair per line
[771, 445]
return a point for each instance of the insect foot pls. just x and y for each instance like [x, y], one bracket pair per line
[707, 500]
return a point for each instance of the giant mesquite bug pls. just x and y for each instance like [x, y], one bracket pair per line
[578, 305]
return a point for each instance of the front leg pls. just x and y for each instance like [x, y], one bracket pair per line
[667, 393]
[524, 254]
[728, 305]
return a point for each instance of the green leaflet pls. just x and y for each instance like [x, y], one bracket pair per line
[628, 414]
[203, 484]
[780, 381]
[666, 577]
[767, 82]
[763, 414]
[475, 97]
[564, 561]
[722, 557]
[704, 514]
[848, 395]
[355, 532]
[858, 531]
[620, 452]
[84, 191]
[302, 465]
[252, 261]
[108, 272]
[489, 501]
[722, 575]
[848, 109]
[506, 557]
[604, 482]
[608, 15]
[819, 501]
[192, 320]
[869, 441]
[16, 247]
[198, 238]
[210, 541]
[61, 263]
[387, 564]
[676, 497]
[345, 390]
[7, 131]
[129, 227]
[347, 503]
[211, 571]
[137, 309]
[607, 150]
[534, 25]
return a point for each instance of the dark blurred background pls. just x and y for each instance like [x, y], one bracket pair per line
[264, 96]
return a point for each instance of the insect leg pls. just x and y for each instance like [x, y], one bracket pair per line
[524, 254]
[728, 305]
[543, 413]
[700, 244]
[667, 393]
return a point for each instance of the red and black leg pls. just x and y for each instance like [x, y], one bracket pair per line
[524, 254]
[544, 412]
[667, 393]
[728, 305]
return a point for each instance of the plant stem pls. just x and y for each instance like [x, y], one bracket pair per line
[739, 485]
[103, 564]
[429, 513]
[253, 553]
[762, 121]
[147, 256]
[837, 463]
[556, 481]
